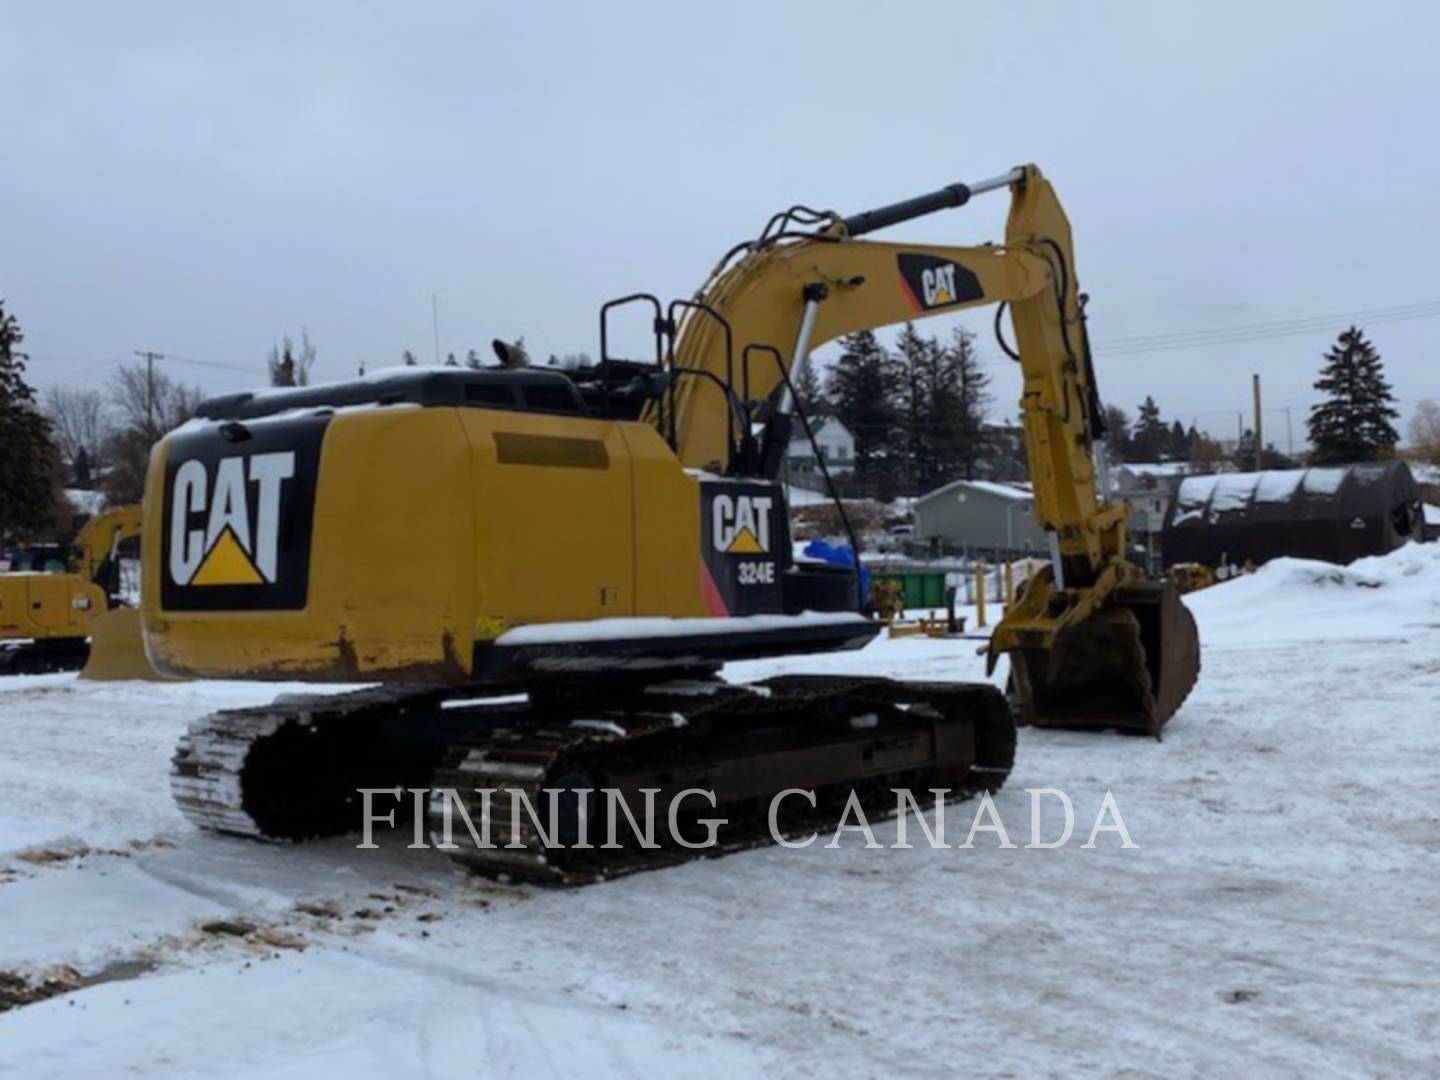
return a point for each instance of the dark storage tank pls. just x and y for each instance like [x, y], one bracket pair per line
[1336, 513]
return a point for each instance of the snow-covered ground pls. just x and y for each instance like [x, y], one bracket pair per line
[1277, 917]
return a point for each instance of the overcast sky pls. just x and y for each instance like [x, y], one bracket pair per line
[201, 181]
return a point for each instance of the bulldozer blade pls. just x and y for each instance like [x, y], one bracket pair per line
[117, 648]
[1129, 667]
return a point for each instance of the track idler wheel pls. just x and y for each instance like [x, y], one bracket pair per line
[1129, 667]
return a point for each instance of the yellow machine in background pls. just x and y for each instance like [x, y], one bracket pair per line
[1191, 577]
[48, 615]
[605, 540]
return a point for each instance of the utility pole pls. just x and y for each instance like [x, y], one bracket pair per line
[1289, 434]
[150, 358]
[1259, 437]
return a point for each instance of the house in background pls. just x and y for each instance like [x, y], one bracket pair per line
[1149, 488]
[837, 448]
[979, 516]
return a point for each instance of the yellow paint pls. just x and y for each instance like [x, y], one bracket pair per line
[427, 540]
[745, 544]
[48, 606]
[227, 564]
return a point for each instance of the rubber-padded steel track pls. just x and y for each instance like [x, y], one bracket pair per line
[292, 770]
[42, 657]
[678, 741]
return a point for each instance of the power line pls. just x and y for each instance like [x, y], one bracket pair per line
[211, 364]
[1241, 334]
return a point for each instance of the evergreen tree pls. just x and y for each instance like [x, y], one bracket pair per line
[1151, 435]
[472, 360]
[919, 360]
[1178, 445]
[282, 365]
[1274, 459]
[809, 390]
[84, 471]
[1353, 424]
[960, 402]
[865, 392]
[408, 359]
[1117, 433]
[1244, 457]
[944, 399]
[450, 360]
[30, 494]
[289, 367]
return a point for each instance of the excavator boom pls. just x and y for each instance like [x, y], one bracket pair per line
[1092, 643]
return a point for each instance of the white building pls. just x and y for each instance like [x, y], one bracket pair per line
[1149, 488]
[837, 448]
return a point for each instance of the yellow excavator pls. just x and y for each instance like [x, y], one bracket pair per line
[51, 597]
[544, 571]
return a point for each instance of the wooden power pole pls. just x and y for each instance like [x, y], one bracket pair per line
[150, 358]
[1259, 435]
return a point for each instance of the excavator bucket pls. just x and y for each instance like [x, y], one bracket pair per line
[117, 648]
[1128, 667]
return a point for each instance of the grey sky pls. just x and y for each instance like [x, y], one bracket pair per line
[200, 181]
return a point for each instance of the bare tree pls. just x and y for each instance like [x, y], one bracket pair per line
[154, 404]
[81, 423]
[1425, 431]
[145, 408]
[1206, 455]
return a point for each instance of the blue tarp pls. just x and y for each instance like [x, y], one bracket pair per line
[839, 555]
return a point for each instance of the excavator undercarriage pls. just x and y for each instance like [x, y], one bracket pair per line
[614, 778]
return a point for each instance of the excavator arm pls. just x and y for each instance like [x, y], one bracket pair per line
[793, 291]
[98, 539]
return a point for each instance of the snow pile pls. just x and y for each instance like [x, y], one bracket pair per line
[1384, 596]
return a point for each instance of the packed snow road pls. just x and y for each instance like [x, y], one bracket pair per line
[1276, 916]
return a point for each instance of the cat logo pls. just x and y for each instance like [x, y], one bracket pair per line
[741, 524]
[931, 283]
[240, 514]
[937, 285]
